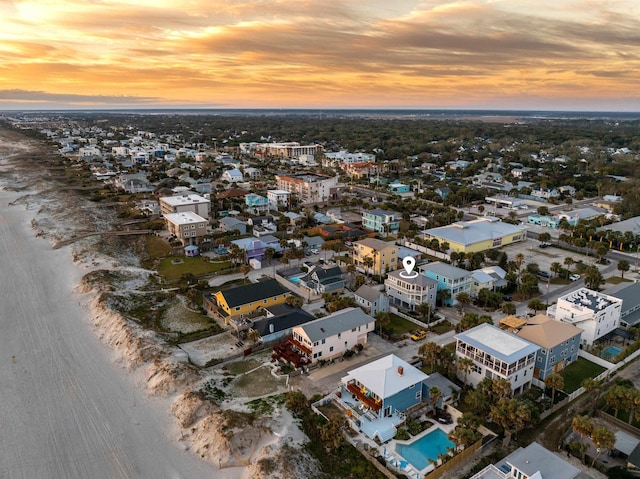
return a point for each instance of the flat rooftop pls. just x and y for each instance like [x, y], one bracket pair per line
[183, 200]
[500, 344]
[590, 299]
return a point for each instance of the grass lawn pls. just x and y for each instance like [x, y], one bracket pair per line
[575, 373]
[559, 280]
[172, 272]
[617, 280]
[398, 325]
[443, 327]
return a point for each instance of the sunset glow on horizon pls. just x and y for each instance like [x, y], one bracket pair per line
[491, 54]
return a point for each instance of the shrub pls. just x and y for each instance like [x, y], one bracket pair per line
[402, 434]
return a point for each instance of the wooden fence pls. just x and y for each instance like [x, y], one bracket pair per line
[469, 454]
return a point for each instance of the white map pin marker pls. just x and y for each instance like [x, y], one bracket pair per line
[409, 262]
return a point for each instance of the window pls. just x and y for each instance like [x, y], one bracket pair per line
[552, 359]
[353, 330]
[315, 344]
[339, 335]
[331, 349]
[419, 394]
[237, 308]
[324, 341]
[412, 386]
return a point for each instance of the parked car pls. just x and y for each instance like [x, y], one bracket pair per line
[418, 335]
[574, 277]
[544, 245]
[315, 251]
[506, 297]
[544, 274]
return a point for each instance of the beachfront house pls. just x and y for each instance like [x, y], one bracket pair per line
[496, 354]
[378, 395]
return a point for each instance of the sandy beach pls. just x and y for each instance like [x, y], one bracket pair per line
[67, 410]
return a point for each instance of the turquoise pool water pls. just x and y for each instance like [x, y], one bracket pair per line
[610, 352]
[295, 279]
[427, 447]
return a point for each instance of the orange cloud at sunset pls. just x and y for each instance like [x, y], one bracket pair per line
[308, 53]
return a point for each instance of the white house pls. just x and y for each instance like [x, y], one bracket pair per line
[184, 203]
[595, 313]
[278, 198]
[232, 176]
[496, 354]
[329, 337]
[409, 292]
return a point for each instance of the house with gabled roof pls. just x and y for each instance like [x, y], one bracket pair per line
[323, 280]
[239, 302]
[329, 337]
[372, 300]
[378, 395]
[449, 278]
[531, 462]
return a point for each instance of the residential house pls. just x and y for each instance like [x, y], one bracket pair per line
[531, 462]
[629, 294]
[256, 204]
[545, 193]
[278, 198]
[279, 321]
[567, 190]
[382, 221]
[496, 354]
[408, 292]
[450, 390]
[323, 280]
[330, 337]
[371, 300]
[384, 256]
[596, 314]
[477, 235]
[363, 169]
[559, 342]
[379, 394]
[443, 192]
[253, 247]
[450, 278]
[184, 203]
[490, 277]
[252, 173]
[229, 223]
[132, 183]
[262, 225]
[236, 304]
[398, 188]
[309, 188]
[232, 176]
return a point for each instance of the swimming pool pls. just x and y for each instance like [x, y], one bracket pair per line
[427, 447]
[295, 279]
[610, 352]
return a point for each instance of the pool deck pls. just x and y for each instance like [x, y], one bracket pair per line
[446, 428]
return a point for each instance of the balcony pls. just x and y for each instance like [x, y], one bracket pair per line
[374, 404]
[301, 347]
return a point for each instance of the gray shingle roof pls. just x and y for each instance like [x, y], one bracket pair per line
[335, 323]
[446, 270]
[249, 293]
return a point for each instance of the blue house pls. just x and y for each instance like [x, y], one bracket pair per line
[378, 394]
[397, 187]
[382, 221]
[450, 278]
[559, 343]
[256, 204]
[254, 247]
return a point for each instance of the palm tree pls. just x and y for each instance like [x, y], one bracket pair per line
[368, 264]
[245, 269]
[632, 402]
[553, 382]
[593, 278]
[556, 268]
[501, 387]
[463, 298]
[592, 387]
[383, 319]
[603, 439]
[424, 309]
[583, 427]
[465, 365]
[615, 397]
[434, 396]
[509, 308]
[430, 353]
[623, 266]
[536, 305]
[269, 253]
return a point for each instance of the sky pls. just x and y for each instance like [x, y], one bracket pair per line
[483, 54]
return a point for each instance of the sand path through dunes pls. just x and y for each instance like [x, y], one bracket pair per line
[66, 411]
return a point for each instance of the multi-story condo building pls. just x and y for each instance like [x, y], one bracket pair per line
[496, 354]
[382, 221]
[184, 203]
[278, 198]
[409, 292]
[256, 204]
[291, 149]
[597, 314]
[188, 227]
[450, 278]
[309, 188]
[384, 256]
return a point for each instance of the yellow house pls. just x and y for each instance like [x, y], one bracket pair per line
[241, 301]
[384, 256]
[478, 235]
